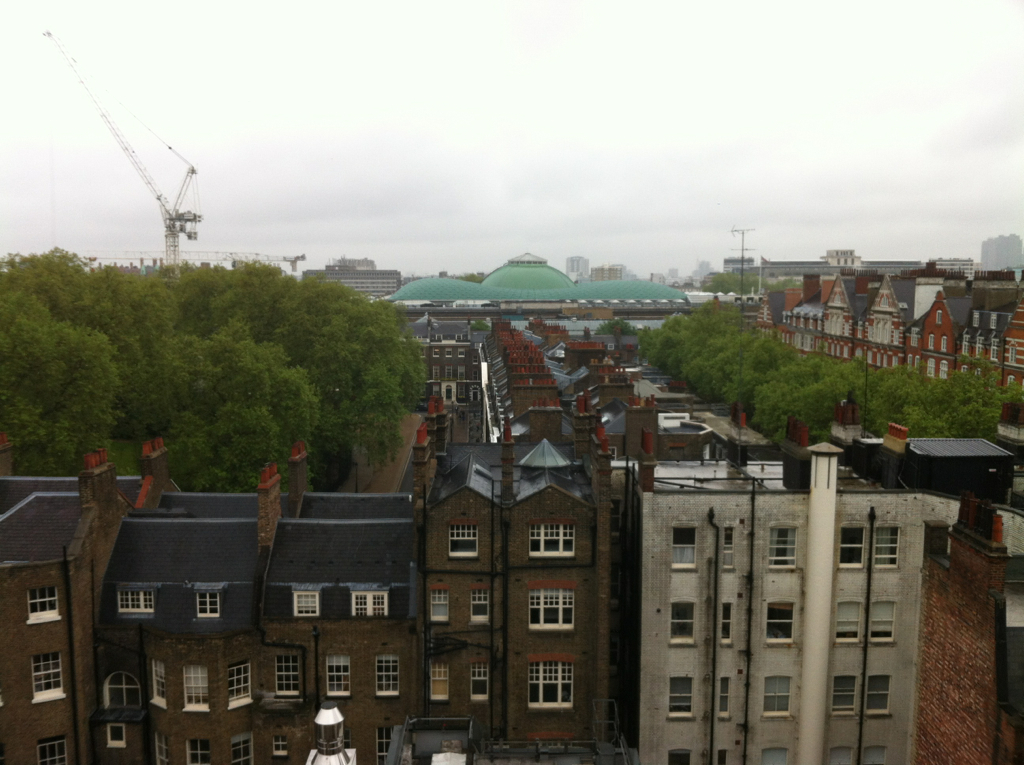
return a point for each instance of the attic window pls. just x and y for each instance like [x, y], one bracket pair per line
[135, 601]
[992, 321]
[976, 317]
[369, 604]
[306, 603]
[208, 605]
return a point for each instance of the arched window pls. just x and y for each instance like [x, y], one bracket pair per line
[122, 690]
[943, 369]
[931, 367]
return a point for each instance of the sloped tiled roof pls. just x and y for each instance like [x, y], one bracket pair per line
[38, 527]
[13, 489]
[544, 455]
[355, 506]
[174, 557]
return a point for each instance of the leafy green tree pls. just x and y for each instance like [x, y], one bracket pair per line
[475, 278]
[479, 325]
[609, 327]
[242, 406]
[57, 387]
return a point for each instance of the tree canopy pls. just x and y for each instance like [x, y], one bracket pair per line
[708, 351]
[231, 366]
[609, 327]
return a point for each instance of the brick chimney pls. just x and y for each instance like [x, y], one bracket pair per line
[421, 466]
[269, 497]
[545, 421]
[440, 427]
[431, 421]
[98, 482]
[298, 472]
[648, 460]
[896, 439]
[796, 457]
[156, 478]
[812, 283]
[738, 442]
[508, 458]
[641, 415]
[846, 425]
[6, 456]
[582, 422]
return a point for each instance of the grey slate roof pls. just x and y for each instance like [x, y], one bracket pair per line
[1015, 665]
[478, 467]
[212, 504]
[13, 489]
[355, 506]
[956, 447]
[337, 557]
[959, 309]
[38, 527]
[175, 556]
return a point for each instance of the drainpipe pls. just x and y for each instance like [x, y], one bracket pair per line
[714, 638]
[750, 621]
[66, 570]
[316, 661]
[424, 611]
[867, 635]
[818, 574]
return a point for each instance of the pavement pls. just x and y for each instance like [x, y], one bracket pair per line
[384, 479]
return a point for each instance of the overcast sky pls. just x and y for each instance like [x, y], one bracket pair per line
[453, 136]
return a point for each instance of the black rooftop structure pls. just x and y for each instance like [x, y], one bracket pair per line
[355, 506]
[953, 465]
[13, 489]
[176, 558]
[338, 557]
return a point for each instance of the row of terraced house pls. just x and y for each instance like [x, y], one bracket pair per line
[927, 318]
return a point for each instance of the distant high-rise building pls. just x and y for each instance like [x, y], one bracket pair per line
[673, 273]
[1002, 252]
[360, 274]
[606, 273]
[577, 268]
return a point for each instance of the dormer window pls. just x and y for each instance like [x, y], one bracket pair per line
[976, 317]
[306, 603]
[992, 321]
[369, 604]
[135, 601]
[208, 605]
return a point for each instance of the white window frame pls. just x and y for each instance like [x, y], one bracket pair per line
[388, 677]
[197, 688]
[680, 696]
[684, 547]
[479, 672]
[850, 547]
[439, 681]
[782, 553]
[197, 751]
[877, 621]
[879, 688]
[43, 605]
[124, 683]
[161, 749]
[785, 605]
[339, 674]
[241, 749]
[478, 598]
[563, 536]
[544, 674]
[723, 696]
[159, 674]
[47, 677]
[306, 603]
[135, 601]
[208, 604]
[844, 620]
[371, 603]
[116, 736]
[279, 746]
[844, 708]
[777, 691]
[548, 602]
[681, 621]
[52, 751]
[463, 535]
[725, 626]
[439, 605]
[383, 743]
[239, 684]
[287, 673]
[890, 557]
[728, 546]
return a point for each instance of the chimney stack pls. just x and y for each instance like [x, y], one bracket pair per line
[6, 456]
[156, 477]
[648, 461]
[269, 497]
[641, 415]
[508, 457]
[582, 419]
[440, 427]
[298, 472]
[545, 421]
[421, 466]
[330, 738]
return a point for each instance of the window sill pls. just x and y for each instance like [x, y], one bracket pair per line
[197, 708]
[844, 713]
[551, 628]
[43, 619]
[464, 556]
[478, 699]
[480, 622]
[239, 703]
[41, 698]
[781, 643]
[547, 707]
[388, 695]
[306, 616]
[684, 567]
[782, 567]
[679, 716]
[162, 703]
[851, 566]
[681, 641]
[207, 616]
[116, 745]
[552, 555]
[340, 694]
[777, 716]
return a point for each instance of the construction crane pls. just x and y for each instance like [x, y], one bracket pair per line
[176, 220]
[198, 255]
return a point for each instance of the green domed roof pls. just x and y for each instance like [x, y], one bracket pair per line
[528, 272]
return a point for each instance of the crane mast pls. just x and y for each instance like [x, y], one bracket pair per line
[176, 220]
